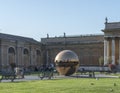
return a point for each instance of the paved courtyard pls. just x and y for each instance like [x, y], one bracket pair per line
[35, 77]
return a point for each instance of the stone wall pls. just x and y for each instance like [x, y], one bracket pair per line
[88, 48]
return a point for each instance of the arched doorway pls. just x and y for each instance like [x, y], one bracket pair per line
[38, 55]
[11, 57]
[26, 57]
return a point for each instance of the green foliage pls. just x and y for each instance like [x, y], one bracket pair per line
[80, 85]
[101, 61]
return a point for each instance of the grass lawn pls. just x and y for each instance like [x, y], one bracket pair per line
[76, 85]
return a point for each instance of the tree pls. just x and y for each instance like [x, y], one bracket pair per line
[101, 61]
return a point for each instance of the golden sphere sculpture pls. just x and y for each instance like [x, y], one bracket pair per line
[66, 62]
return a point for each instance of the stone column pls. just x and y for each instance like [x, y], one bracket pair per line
[113, 51]
[105, 51]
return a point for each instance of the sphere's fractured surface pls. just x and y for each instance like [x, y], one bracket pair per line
[66, 62]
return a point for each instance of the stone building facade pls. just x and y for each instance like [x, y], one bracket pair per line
[20, 51]
[29, 53]
[112, 43]
[89, 48]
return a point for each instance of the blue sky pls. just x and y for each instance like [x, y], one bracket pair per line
[37, 18]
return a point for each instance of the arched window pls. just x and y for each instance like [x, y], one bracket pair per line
[38, 52]
[26, 52]
[11, 50]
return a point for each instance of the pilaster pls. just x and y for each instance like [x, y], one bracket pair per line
[105, 51]
[113, 51]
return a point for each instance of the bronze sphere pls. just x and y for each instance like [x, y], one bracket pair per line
[66, 62]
